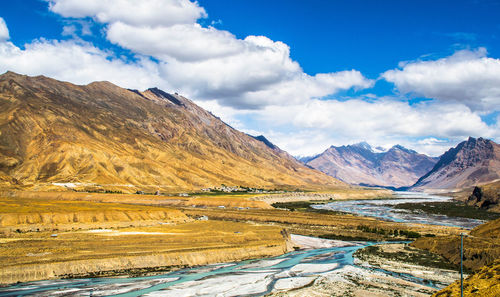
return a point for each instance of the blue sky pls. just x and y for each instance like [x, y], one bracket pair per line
[370, 36]
[307, 75]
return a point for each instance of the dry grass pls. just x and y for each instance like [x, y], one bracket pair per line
[40, 247]
[482, 248]
[52, 198]
[147, 234]
[484, 283]
[28, 212]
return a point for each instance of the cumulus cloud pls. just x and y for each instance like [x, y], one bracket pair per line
[383, 116]
[309, 128]
[78, 62]
[133, 12]
[4, 31]
[382, 122]
[183, 42]
[469, 77]
[205, 62]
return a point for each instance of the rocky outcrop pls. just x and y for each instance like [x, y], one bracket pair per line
[470, 163]
[360, 164]
[486, 197]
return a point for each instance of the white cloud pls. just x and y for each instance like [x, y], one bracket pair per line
[383, 122]
[300, 88]
[4, 31]
[207, 63]
[263, 74]
[133, 12]
[307, 129]
[467, 76]
[433, 146]
[183, 42]
[78, 62]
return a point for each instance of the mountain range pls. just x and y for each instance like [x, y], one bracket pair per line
[472, 162]
[360, 164]
[55, 133]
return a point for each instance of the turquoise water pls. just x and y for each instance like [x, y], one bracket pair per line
[261, 274]
[246, 278]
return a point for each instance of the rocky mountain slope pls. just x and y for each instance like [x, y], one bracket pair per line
[471, 162]
[360, 164]
[486, 196]
[105, 136]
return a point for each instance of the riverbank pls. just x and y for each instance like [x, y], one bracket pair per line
[380, 270]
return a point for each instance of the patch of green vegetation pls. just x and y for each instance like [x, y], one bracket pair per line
[394, 232]
[452, 209]
[98, 191]
[297, 205]
[242, 190]
[407, 255]
[306, 206]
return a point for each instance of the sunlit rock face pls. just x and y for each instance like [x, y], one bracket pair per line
[486, 196]
[55, 133]
[362, 165]
[472, 162]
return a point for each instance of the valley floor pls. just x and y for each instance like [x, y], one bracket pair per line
[57, 235]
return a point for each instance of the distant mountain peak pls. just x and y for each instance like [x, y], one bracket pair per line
[402, 148]
[363, 145]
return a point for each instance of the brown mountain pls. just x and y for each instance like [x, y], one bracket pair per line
[360, 164]
[471, 162]
[101, 134]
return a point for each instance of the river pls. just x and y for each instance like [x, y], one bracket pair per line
[246, 278]
[383, 209]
